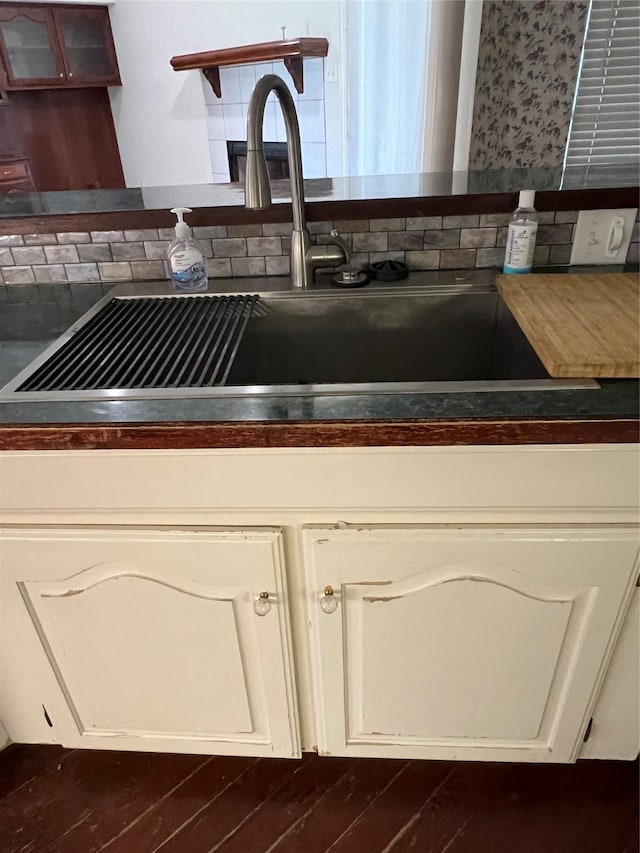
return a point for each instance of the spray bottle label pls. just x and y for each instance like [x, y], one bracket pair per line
[521, 242]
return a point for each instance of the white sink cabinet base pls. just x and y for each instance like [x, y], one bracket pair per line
[482, 597]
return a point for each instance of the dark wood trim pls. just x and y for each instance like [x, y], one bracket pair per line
[291, 50]
[318, 211]
[405, 433]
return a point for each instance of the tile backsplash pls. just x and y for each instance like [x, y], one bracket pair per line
[425, 242]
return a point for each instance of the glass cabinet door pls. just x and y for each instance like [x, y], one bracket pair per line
[87, 46]
[29, 45]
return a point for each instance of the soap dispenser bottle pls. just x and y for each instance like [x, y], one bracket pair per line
[521, 235]
[186, 263]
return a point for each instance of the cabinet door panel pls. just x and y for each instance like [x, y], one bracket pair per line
[158, 646]
[29, 47]
[87, 45]
[468, 643]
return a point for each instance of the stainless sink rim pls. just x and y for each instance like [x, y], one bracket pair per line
[467, 285]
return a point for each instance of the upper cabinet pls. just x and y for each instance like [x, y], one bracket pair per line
[43, 47]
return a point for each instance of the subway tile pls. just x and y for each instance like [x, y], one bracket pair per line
[501, 239]
[107, 236]
[94, 252]
[50, 273]
[360, 260]
[395, 224]
[205, 248]
[141, 235]
[6, 258]
[283, 229]
[219, 268]
[563, 217]
[314, 228]
[128, 251]
[423, 260]
[559, 254]
[73, 237]
[406, 240]
[247, 266]
[167, 234]
[82, 272]
[370, 241]
[541, 256]
[18, 275]
[209, 232]
[11, 240]
[1, 277]
[229, 248]
[467, 221]
[493, 257]
[277, 265]
[253, 230]
[120, 271]
[491, 220]
[374, 257]
[39, 239]
[286, 245]
[264, 246]
[471, 238]
[549, 235]
[351, 226]
[546, 217]
[61, 254]
[449, 239]
[451, 259]
[421, 223]
[28, 255]
[156, 250]
[141, 270]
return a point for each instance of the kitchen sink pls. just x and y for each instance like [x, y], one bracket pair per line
[438, 337]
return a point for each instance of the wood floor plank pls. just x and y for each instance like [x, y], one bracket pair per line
[387, 814]
[39, 815]
[271, 820]
[589, 807]
[471, 787]
[337, 807]
[21, 762]
[158, 823]
[222, 815]
[141, 805]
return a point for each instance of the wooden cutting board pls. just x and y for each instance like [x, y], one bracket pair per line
[580, 325]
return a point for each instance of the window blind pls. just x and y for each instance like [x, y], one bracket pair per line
[605, 129]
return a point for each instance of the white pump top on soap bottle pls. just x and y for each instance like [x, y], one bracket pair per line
[186, 262]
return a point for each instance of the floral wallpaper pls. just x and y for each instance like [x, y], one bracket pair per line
[527, 71]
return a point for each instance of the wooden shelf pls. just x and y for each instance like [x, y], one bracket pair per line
[292, 51]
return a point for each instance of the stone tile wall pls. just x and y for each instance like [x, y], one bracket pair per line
[428, 242]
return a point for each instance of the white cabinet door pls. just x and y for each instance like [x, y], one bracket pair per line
[615, 732]
[153, 639]
[468, 643]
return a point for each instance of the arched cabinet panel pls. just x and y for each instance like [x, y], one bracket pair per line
[155, 638]
[462, 643]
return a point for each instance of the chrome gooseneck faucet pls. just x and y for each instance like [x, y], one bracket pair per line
[258, 189]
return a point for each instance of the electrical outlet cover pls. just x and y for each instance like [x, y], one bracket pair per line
[603, 236]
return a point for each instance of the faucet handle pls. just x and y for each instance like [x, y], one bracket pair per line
[340, 241]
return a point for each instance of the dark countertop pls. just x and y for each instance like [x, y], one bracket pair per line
[31, 316]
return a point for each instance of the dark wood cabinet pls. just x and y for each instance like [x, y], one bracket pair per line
[46, 46]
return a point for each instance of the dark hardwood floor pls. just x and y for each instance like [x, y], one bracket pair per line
[80, 801]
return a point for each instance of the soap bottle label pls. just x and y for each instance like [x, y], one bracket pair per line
[187, 268]
[521, 243]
